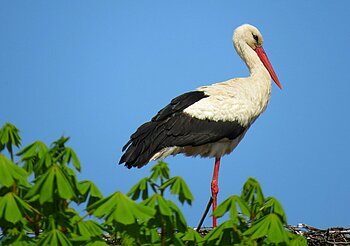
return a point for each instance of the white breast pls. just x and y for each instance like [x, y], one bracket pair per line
[233, 100]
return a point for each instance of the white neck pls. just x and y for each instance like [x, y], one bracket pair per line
[251, 59]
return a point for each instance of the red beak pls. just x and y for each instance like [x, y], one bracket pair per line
[265, 60]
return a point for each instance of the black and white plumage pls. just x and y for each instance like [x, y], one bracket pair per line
[212, 120]
[173, 131]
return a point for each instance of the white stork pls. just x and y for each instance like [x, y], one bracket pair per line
[212, 120]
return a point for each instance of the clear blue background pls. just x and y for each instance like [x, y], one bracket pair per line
[96, 70]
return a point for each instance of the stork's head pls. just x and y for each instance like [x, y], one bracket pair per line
[250, 35]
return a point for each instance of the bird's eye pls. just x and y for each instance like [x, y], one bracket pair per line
[256, 38]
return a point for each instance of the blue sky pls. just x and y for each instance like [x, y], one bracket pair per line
[96, 70]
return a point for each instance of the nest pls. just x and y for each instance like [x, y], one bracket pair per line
[316, 237]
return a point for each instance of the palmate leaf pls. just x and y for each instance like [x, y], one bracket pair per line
[230, 204]
[224, 234]
[80, 231]
[141, 188]
[120, 208]
[156, 201]
[168, 209]
[64, 186]
[151, 201]
[31, 154]
[38, 157]
[13, 208]
[9, 209]
[58, 146]
[10, 173]
[45, 162]
[43, 189]
[89, 189]
[269, 226]
[179, 187]
[47, 184]
[54, 237]
[272, 205]
[37, 148]
[71, 156]
[178, 219]
[163, 206]
[9, 135]
[297, 240]
[160, 170]
[191, 237]
[88, 228]
[252, 192]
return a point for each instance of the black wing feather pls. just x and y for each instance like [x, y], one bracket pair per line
[178, 104]
[172, 127]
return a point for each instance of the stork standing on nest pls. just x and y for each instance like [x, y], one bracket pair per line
[212, 120]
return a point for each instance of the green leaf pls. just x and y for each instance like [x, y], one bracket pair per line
[298, 240]
[45, 162]
[58, 150]
[179, 187]
[13, 208]
[31, 154]
[253, 196]
[59, 144]
[230, 204]
[191, 236]
[154, 237]
[44, 188]
[120, 208]
[9, 135]
[151, 201]
[163, 206]
[224, 234]
[70, 155]
[37, 148]
[24, 206]
[9, 208]
[272, 205]
[88, 228]
[179, 220]
[252, 192]
[140, 188]
[63, 184]
[88, 188]
[10, 173]
[269, 226]
[52, 181]
[160, 170]
[168, 209]
[54, 237]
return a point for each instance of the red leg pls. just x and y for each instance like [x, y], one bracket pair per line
[215, 187]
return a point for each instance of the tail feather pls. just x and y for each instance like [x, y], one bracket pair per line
[143, 144]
